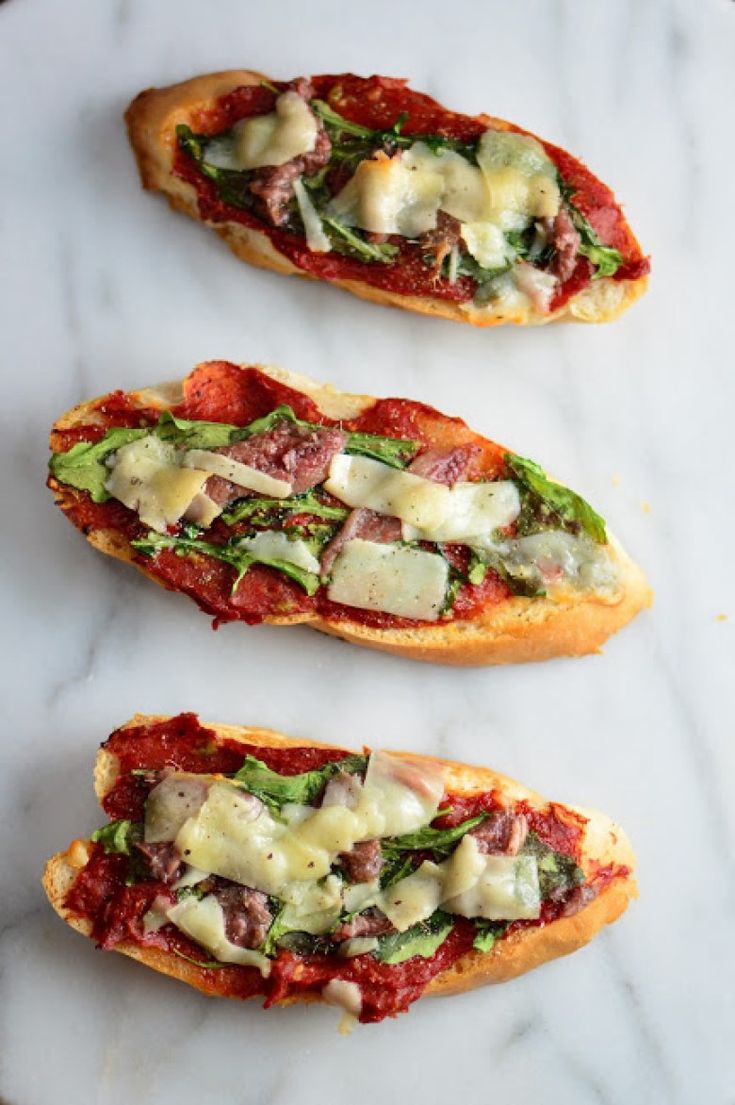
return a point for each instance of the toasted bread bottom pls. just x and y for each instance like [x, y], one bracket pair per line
[604, 843]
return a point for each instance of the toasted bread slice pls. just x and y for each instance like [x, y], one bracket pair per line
[518, 628]
[154, 115]
[602, 847]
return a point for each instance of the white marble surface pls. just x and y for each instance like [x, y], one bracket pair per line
[102, 286]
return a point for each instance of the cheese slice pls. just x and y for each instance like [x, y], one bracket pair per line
[234, 835]
[436, 512]
[464, 193]
[385, 195]
[521, 178]
[146, 478]
[364, 482]
[409, 583]
[488, 244]
[243, 475]
[470, 884]
[275, 138]
[274, 545]
[203, 920]
[507, 890]
[316, 238]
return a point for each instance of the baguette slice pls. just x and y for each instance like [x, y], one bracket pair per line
[515, 629]
[604, 854]
[210, 104]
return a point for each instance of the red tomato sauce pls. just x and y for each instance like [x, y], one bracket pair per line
[219, 391]
[116, 910]
[377, 102]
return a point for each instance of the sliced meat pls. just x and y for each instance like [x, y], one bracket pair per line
[164, 861]
[364, 862]
[579, 898]
[342, 789]
[503, 833]
[273, 185]
[566, 240]
[364, 523]
[370, 923]
[445, 465]
[296, 454]
[247, 917]
[440, 241]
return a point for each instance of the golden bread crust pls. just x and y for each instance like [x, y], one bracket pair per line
[152, 118]
[518, 630]
[604, 843]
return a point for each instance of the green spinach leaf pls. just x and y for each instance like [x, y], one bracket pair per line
[439, 841]
[487, 933]
[422, 939]
[83, 466]
[119, 837]
[394, 451]
[557, 873]
[346, 240]
[573, 511]
[307, 503]
[276, 790]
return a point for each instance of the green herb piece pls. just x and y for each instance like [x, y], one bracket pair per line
[233, 185]
[277, 929]
[206, 964]
[397, 866]
[83, 466]
[557, 873]
[195, 891]
[343, 236]
[394, 451]
[297, 504]
[195, 435]
[439, 841]
[487, 933]
[422, 939]
[229, 553]
[606, 259]
[574, 511]
[119, 837]
[258, 779]
[269, 86]
[484, 560]
[477, 569]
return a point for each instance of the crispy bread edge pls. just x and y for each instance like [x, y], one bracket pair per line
[604, 843]
[151, 119]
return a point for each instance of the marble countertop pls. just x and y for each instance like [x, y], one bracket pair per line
[101, 286]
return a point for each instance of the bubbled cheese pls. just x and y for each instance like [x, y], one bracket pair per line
[147, 478]
[507, 889]
[393, 579]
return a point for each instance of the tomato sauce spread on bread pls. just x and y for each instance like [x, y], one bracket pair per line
[247, 496]
[138, 886]
[491, 235]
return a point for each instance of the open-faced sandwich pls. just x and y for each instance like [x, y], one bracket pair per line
[248, 864]
[383, 192]
[269, 498]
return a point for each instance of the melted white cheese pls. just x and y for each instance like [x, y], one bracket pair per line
[243, 475]
[235, 836]
[272, 139]
[556, 561]
[316, 238]
[520, 178]
[172, 802]
[387, 197]
[147, 478]
[470, 884]
[393, 579]
[203, 920]
[274, 545]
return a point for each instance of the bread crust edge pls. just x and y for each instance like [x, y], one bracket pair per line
[604, 842]
[151, 120]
